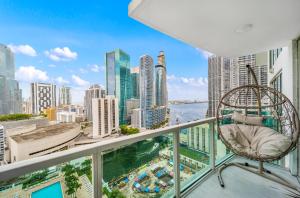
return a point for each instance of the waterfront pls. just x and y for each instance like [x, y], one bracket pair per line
[187, 112]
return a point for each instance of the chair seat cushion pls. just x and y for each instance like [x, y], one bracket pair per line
[255, 141]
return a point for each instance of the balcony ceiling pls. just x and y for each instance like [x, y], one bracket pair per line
[224, 27]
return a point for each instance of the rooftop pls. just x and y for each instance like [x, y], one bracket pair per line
[43, 132]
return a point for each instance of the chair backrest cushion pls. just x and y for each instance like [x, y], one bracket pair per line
[253, 120]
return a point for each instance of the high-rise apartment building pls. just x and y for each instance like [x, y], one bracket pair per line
[2, 135]
[64, 96]
[105, 116]
[225, 74]
[43, 96]
[95, 91]
[239, 74]
[218, 81]
[118, 79]
[11, 94]
[135, 82]
[146, 89]
[161, 92]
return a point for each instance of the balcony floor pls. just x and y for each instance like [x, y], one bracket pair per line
[241, 183]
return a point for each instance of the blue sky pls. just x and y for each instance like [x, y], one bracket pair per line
[64, 42]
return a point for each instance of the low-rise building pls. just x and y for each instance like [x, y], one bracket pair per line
[136, 118]
[51, 114]
[65, 116]
[42, 141]
[157, 115]
[130, 105]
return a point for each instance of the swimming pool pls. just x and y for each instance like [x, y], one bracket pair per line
[52, 191]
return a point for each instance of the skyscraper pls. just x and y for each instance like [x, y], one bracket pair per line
[135, 82]
[146, 90]
[118, 79]
[239, 73]
[105, 116]
[225, 74]
[1, 143]
[161, 92]
[11, 94]
[43, 96]
[218, 81]
[95, 91]
[64, 96]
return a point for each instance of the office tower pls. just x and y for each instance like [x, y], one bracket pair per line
[118, 79]
[239, 75]
[161, 92]
[198, 138]
[95, 91]
[136, 118]
[218, 81]
[135, 82]
[146, 89]
[64, 96]
[105, 116]
[2, 135]
[43, 96]
[10, 93]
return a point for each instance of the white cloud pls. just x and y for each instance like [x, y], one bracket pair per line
[185, 88]
[51, 65]
[61, 80]
[31, 74]
[61, 54]
[204, 53]
[23, 49]
[83, 71]
[80, 82]
[97, 68]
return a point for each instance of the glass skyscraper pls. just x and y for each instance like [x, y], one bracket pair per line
[118, 79]
[135, 82]
[146, 90]
[161, 93]
[11, 94]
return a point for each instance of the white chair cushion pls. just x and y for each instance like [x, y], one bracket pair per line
[254, 120]
[256, 141]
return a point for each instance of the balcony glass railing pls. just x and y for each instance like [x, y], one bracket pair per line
[155, 163]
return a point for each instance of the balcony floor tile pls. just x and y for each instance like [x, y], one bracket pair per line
[243, 184]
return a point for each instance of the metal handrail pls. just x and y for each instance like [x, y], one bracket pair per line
[17, 169]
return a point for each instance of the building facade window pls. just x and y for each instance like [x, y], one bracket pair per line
[273, 55]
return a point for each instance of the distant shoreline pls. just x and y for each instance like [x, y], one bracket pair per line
[186, 102]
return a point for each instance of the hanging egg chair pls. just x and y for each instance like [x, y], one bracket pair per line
[258, 123]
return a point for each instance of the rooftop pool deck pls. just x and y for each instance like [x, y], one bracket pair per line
[52, 191]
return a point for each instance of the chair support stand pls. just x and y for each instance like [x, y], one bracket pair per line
[258, 170]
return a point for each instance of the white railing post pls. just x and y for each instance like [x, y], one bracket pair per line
[176, 160]
[212, 145]
[97, 174]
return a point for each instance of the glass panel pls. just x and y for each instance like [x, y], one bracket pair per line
[142, 169]
[65, 180]
[194, 153]
[221, 151]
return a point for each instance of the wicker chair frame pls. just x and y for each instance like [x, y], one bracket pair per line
[283, 114]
